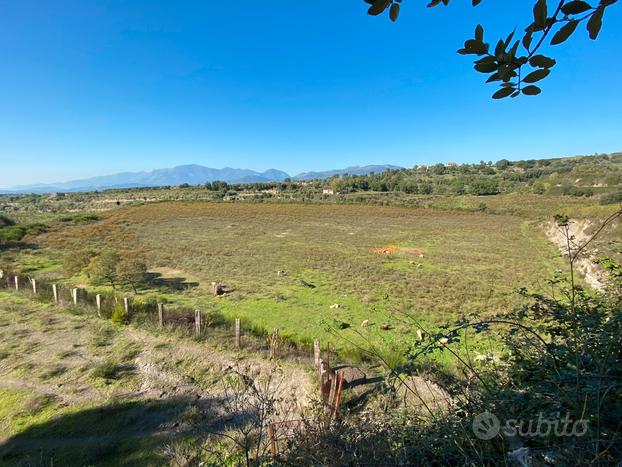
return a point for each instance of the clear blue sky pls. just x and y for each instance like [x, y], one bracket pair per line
[96, 87]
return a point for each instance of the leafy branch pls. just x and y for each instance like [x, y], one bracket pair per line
[517, 64]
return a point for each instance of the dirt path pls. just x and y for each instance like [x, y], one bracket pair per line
[161, 376]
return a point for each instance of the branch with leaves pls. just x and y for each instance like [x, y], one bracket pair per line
[516, 64]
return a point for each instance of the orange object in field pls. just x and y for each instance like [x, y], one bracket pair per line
[386, 250]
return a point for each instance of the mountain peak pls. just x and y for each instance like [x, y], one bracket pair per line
[192, 174]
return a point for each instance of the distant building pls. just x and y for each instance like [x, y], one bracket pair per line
[56, 195]
[422, 167]
[452, 165]
[328, 191]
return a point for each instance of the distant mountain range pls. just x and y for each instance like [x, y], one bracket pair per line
[190, 174]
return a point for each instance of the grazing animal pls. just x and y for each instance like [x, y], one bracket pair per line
[307, 284]
[365, 323]
[335, 306]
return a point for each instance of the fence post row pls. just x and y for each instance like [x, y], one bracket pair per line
[33, 282]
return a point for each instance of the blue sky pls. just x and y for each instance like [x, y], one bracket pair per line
[97, 87]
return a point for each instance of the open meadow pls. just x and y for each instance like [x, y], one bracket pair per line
[303, 268]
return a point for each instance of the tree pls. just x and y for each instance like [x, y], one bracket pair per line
[481, 186]
[516, 63]
[103, 268]
[6, 221]
[503, 164]
[132, 271]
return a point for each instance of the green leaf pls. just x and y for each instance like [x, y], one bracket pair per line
[575, 8]
[540, 14]
[479, 33]
[595, 23]
[532, 90]
[378, 7]
[537, 75]
[394, 12]
[527, 39]
[486, 67]
[476, 47]
[541, 61]
[564, 32]
[503, 93]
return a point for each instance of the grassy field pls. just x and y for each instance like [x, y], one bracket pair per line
[446, 263]
[77, 390]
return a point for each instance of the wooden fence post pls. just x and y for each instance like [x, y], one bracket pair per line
[55, 292]
[328, 355]
[34, 285]
[1, 273]
[274, 342]
[98, 303]
[338, 396]
[161, 315]
[74, 295]
[197, 322]
[316, 353]
[272, 441]
[126, 306]
[237, 333]
[16, 283]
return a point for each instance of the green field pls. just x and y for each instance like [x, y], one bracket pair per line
[447, 263]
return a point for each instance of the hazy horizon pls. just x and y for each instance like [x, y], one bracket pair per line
[261, 170]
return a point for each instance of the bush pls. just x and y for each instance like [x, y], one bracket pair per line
[15, 233]
[6, 221]
[569, 190]
[484, 187]
[612, 198]
[80, 218]
[119, 314]
[106, 370]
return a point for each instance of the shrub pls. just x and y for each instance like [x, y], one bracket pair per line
[6, 221]
[106, 370]
[612, 198]
[119, 315]
[15, 233]
[80, 218]
[483, 187]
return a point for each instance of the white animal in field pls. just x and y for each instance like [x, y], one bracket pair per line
[365, 323]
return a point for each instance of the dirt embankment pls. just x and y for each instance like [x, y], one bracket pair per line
[580, 230]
